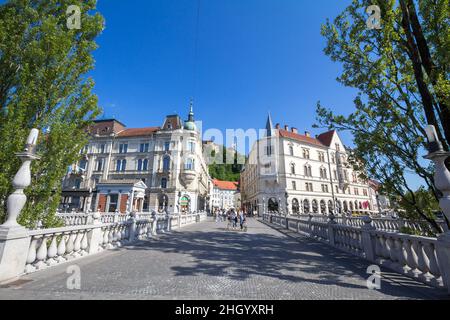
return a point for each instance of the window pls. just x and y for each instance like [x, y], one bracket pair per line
[306, 153]
[337, 189]
[123, 148]
[323, 173]
[269, 150]
[291, 150]
[295, 206]
[292, 168]
[82, 165]
[191, 146]
[121, 165]
[145, 165]
[164, 183]
[102, 148]
[337, 146]
[167, 146]
[294, 185]
[189, 165]
[99, 166]
[365, 192]
[333, 158]
[335, 175]
[309, 186]
[321, 156]
[142, 165]
[356, 191]
[143, 147]
[166, 163]
[307, 170]
[325, 188]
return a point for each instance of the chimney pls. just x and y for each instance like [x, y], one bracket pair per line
[286, 127]
[307, 133]
[294, 130]
[277, 126]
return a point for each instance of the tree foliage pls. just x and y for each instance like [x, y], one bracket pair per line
[43, 84]
[224, 170]
[401, 72]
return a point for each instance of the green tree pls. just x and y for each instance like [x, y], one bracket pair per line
[43, 66]
[401, 74]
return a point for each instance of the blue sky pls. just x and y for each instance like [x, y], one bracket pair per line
[252, 57]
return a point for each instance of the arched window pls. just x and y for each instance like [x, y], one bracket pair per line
[163, 202]
[145, 165]
[306, 206]
[189, 165]
[139, 165]
[295, 206]
[307, 170]
[273, 205]
[323, 173]
[121, 165]
[351, 206]
[315, 206]
[323, 207]
[166, 163]
[345, 207]
[292, 168]
[291, 150]
[330, 206]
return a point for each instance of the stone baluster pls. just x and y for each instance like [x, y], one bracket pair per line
[41, 255]
[61, 248]
[52, 251]
[31, 257]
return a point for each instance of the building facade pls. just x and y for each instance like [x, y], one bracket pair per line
[140, 169]
[225, 195]
[288, 172]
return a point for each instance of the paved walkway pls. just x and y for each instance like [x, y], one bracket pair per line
[204, 261]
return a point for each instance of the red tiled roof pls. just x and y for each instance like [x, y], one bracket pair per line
[225, 185]
[326, 137]
[136, 132]
[299, 137]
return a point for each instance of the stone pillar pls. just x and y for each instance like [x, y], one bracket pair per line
[368, 245]
[14, 239]
[95, 236]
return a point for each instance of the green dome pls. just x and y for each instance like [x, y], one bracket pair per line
[190, 125]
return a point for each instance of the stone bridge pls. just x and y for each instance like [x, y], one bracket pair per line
[206, 261]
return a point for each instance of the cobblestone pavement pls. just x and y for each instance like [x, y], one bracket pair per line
[205, 261]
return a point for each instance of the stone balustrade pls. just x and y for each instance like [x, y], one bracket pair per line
[86, 234]
[383, 224]
[415, 256]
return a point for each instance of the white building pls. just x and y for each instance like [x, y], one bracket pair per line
[142, 169]
[294, 173]
[225, 194]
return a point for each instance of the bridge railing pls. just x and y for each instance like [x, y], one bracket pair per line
[85, 234]
[381, 223]
[419, 257]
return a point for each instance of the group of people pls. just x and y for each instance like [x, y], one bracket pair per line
[234, 217]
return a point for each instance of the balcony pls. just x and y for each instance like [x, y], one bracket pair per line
[188, 176]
